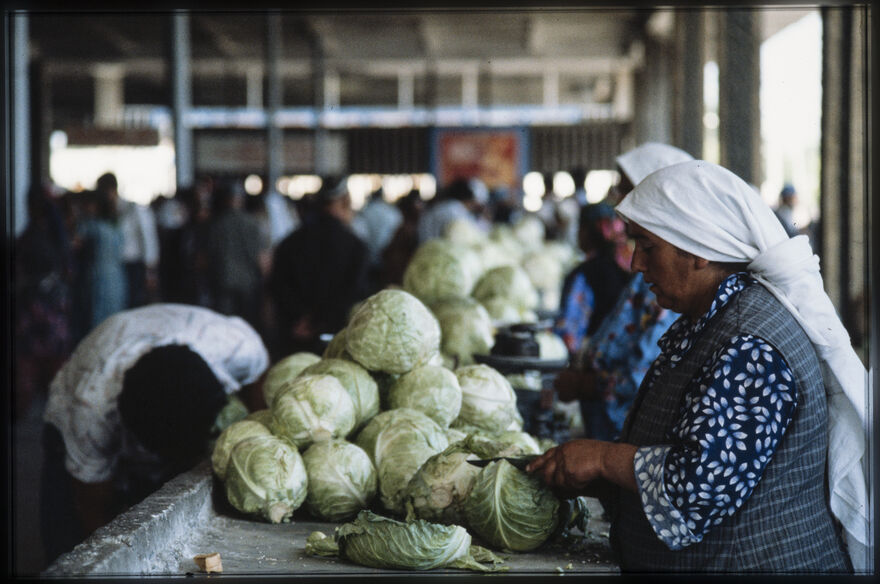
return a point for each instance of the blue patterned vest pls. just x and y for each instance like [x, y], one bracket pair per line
[786, 524]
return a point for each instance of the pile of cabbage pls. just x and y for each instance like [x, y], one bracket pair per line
[376, 432]
[475, 281]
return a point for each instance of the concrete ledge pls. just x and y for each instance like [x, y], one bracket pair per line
[189, 515]
[142, 540]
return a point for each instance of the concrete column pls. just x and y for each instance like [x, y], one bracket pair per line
[181, 87]
[21, 170]
[323, 86]
[551, 88]
[109, 94]
[688, 110]
[623, 94]
[739, 93]
[470, 96]
[254, 87]
[332, 89]
[653, 111]
[406, 89]
[844, 192]
[274, 134]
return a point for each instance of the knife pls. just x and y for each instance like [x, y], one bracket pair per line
[519, 462]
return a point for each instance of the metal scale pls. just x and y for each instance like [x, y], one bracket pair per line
[516, 355]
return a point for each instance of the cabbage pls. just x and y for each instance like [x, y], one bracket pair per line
[527, 380]
[529, 231]
[431, 389]
[521, 442]
[454, 435]
[438, 489]
[263, 416]
[392, 332]
[342, 479]
[356, 380]
[488, 401]
[503, 310]
[506, 241]
[336, 347]
[312, 409]
[464, 231]
[380, 542]
[384, 381]
[491, 444]
[282, 373]
[232, 412]
[510, 509]
[266, 477]
[232, 435]
[508, 282]
[441, 269]
[567, 255]
[545, 272]
[399, 441]
[551, 346]
[465, 327]
[492, 254]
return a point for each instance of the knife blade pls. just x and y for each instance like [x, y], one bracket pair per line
[519, 462]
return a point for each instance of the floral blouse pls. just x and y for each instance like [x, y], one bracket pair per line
[625, 345]
[732, 418]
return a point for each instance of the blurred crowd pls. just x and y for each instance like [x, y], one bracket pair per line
[291, 268]
[85, 255]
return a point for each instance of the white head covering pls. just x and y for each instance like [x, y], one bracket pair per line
[708, 211]
[650, 156]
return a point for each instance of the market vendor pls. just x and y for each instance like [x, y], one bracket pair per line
[743, 451]
[134, 406]
[611, 361]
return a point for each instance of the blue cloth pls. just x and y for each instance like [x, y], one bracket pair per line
[621, 351]
[103, 272]
[589, 293]
[575, 313]
[733, 416]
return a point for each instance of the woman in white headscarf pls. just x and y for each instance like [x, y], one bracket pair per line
[620, 345]
[721, 464]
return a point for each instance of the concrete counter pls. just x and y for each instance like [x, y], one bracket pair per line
[190, 516]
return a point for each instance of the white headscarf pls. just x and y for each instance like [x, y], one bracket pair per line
[650, 156]
[708, 211]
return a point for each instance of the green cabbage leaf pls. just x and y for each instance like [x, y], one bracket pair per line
[509, 509]
[381, 542]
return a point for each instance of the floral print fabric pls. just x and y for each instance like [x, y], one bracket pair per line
[732, 418]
